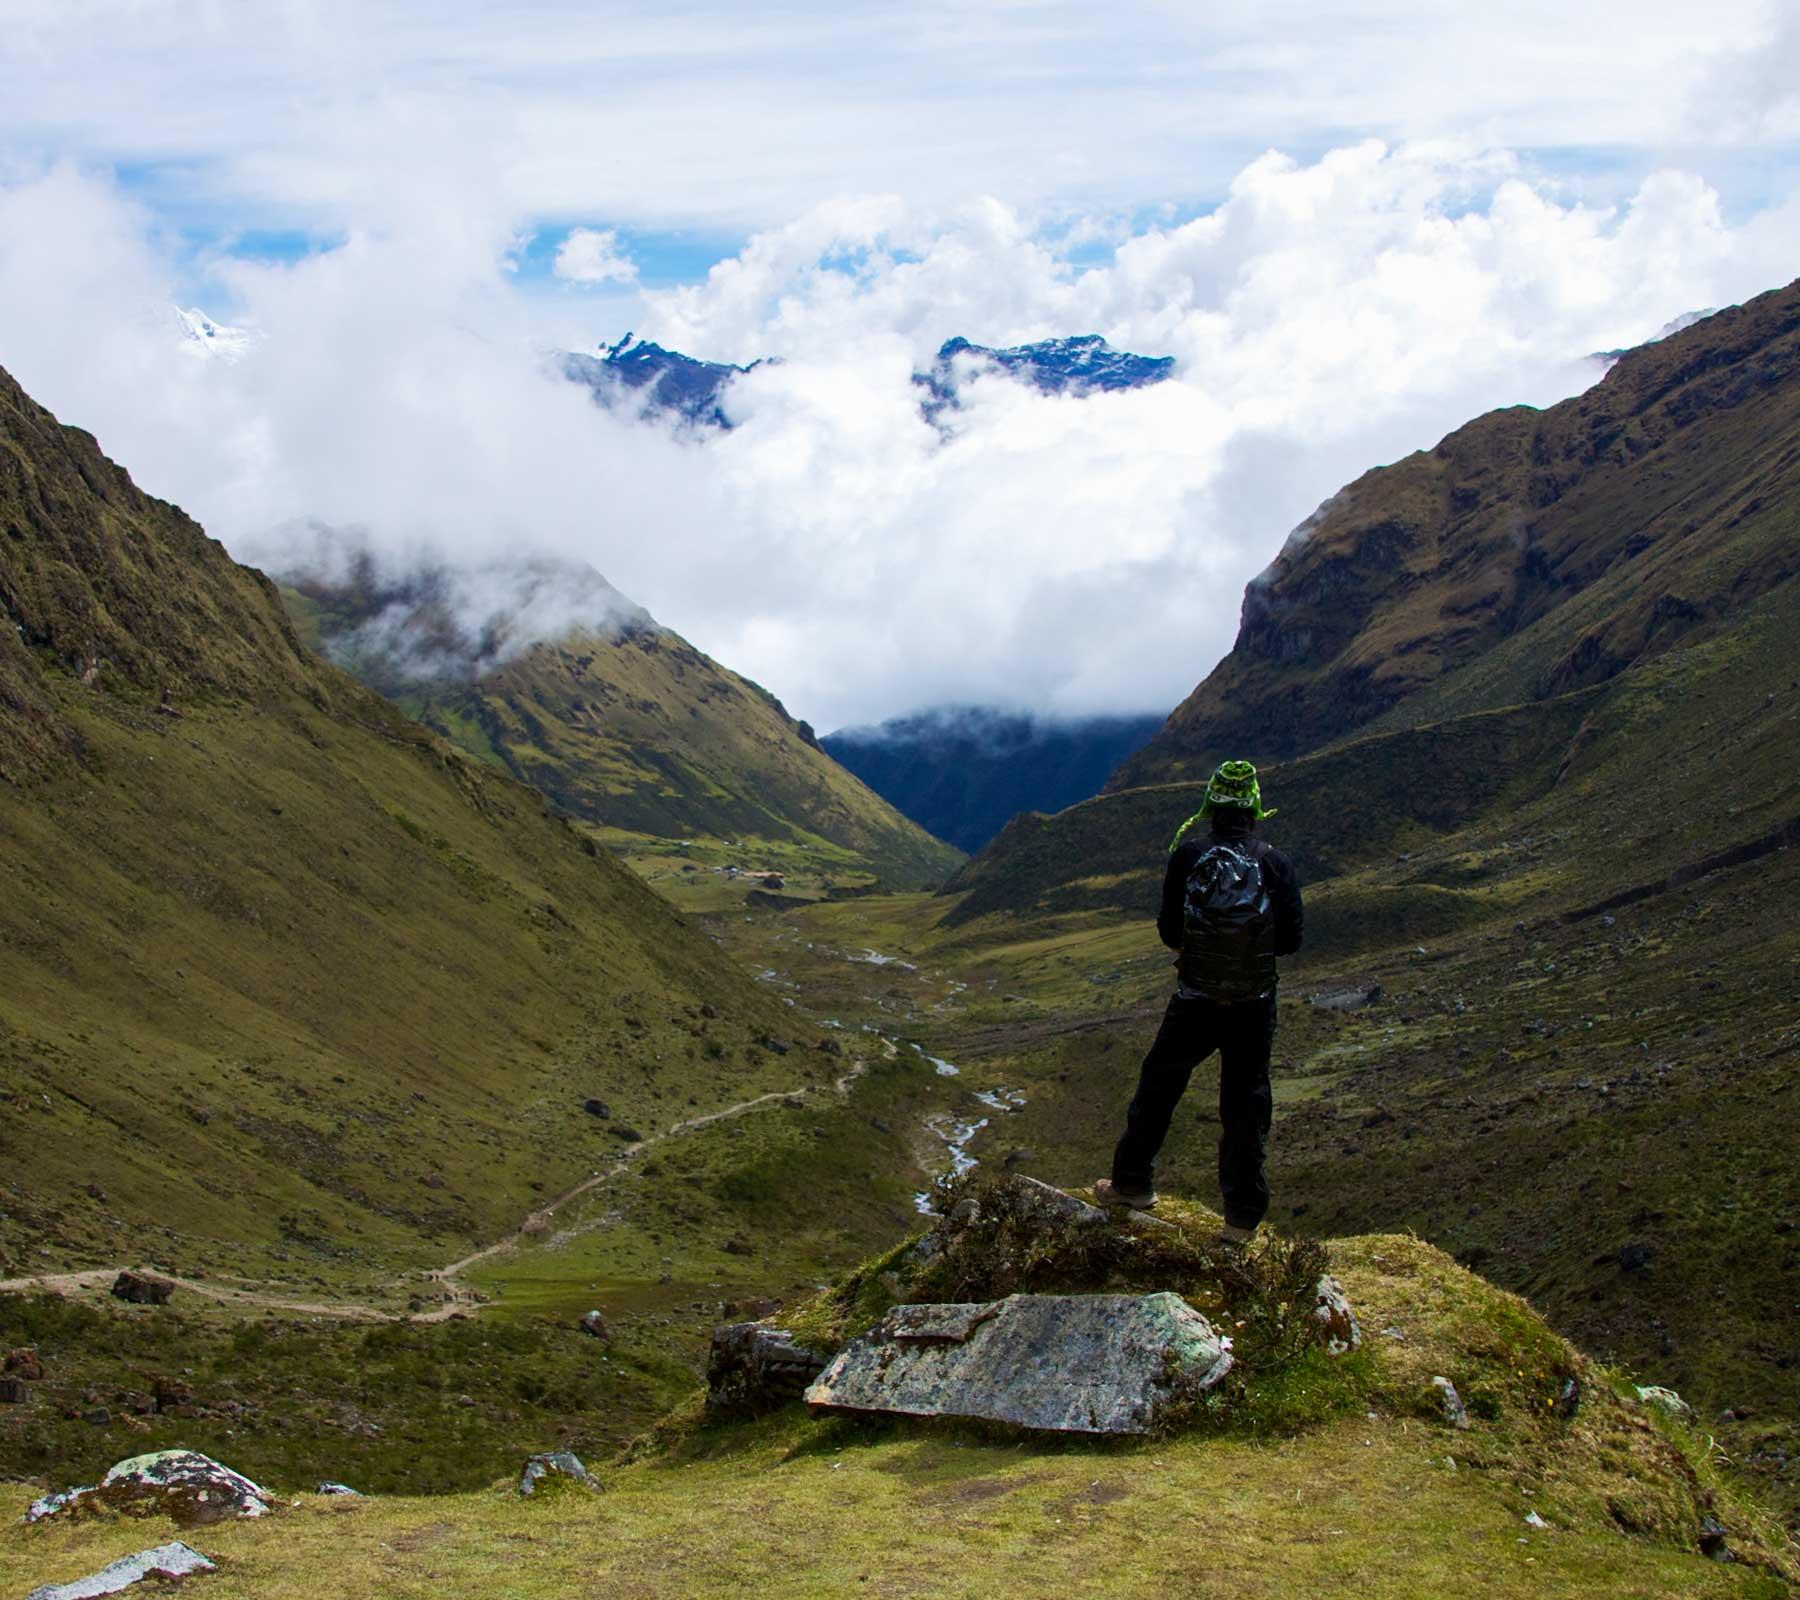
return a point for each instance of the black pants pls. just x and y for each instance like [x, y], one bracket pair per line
[1191, 1030]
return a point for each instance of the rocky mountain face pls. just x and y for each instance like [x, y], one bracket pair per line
[623, 723]
[643, 376]
[1081, 365]
[961, 772]
[1528, 555]
[636, 374]
[288, 986]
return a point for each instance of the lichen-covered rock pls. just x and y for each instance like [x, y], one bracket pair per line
[167, 1561]
[1041, 1202]
[559, 1467]
[754, 1368]
[1666, 1401]
[1106, 1363]
[191, 1489]
[140, 1289]
[1334, 1320]
[1450, 1403]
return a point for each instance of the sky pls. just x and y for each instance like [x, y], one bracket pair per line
[1354, 224]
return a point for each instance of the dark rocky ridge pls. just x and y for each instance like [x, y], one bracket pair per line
[961, 772]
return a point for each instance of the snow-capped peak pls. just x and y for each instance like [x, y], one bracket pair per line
[201, 336]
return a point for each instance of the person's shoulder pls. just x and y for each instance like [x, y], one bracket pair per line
[1277, 858]
[1186, 853]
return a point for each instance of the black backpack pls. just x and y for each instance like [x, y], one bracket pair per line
[1228, 939]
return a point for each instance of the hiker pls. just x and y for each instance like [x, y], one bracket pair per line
[1230, 906]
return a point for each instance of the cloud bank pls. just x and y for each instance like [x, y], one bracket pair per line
[1051, 554]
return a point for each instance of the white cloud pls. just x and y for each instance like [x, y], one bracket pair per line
[593, 255]
[719, 114]
[1050, 553]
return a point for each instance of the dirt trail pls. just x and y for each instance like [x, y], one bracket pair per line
[459, 1297]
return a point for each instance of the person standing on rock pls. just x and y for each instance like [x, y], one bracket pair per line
[1230, 906]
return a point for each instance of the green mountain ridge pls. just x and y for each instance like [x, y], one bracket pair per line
[626, 726]
[288, 987]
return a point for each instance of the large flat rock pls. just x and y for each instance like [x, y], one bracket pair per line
[1080, 1363]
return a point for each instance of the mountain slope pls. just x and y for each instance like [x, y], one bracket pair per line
[961, 772]
[1553, 831]
[624, 724]
[1591, 535]
[288, 987]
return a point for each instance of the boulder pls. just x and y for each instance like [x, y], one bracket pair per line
[171, 1562]
[1101, 1363]
[1333, 1319]
[754, 1368]
[191, 1489]
[558, 1468]
[142, 1290]
[594, 1324]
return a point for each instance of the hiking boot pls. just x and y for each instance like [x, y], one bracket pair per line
[1235, 1238]
[1109, 1193]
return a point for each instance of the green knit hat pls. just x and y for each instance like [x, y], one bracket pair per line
[1233, 784]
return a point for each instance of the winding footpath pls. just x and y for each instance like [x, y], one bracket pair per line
[460, 1299]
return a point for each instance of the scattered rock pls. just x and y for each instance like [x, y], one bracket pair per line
[754, 1368]
[23, 1363]
[1335, 1321]
[1018, 1158]
[737, 1247]
[183, 1485]
[630, 1135]
[1397, 1334]
[595, 1324]
[1106, 1363]
[1455, 1413]
[142, 1290]
[1569, 1401]
[99, 1417]
[1635, 1257]
[750, 1310]
[1533, 1520]
[340, 1489]
[433, 1180]
[171, 1562]
[1348, 999]
[597, 1108]
[1665, 1400]
[560, 1467]
[13, 1392]
[1712, 1540]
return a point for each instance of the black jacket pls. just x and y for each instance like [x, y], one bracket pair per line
[1278, 874]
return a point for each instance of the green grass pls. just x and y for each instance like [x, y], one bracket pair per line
[1382, 1500]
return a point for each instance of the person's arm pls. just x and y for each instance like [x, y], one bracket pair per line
[1171, 917]
[1284, 893]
